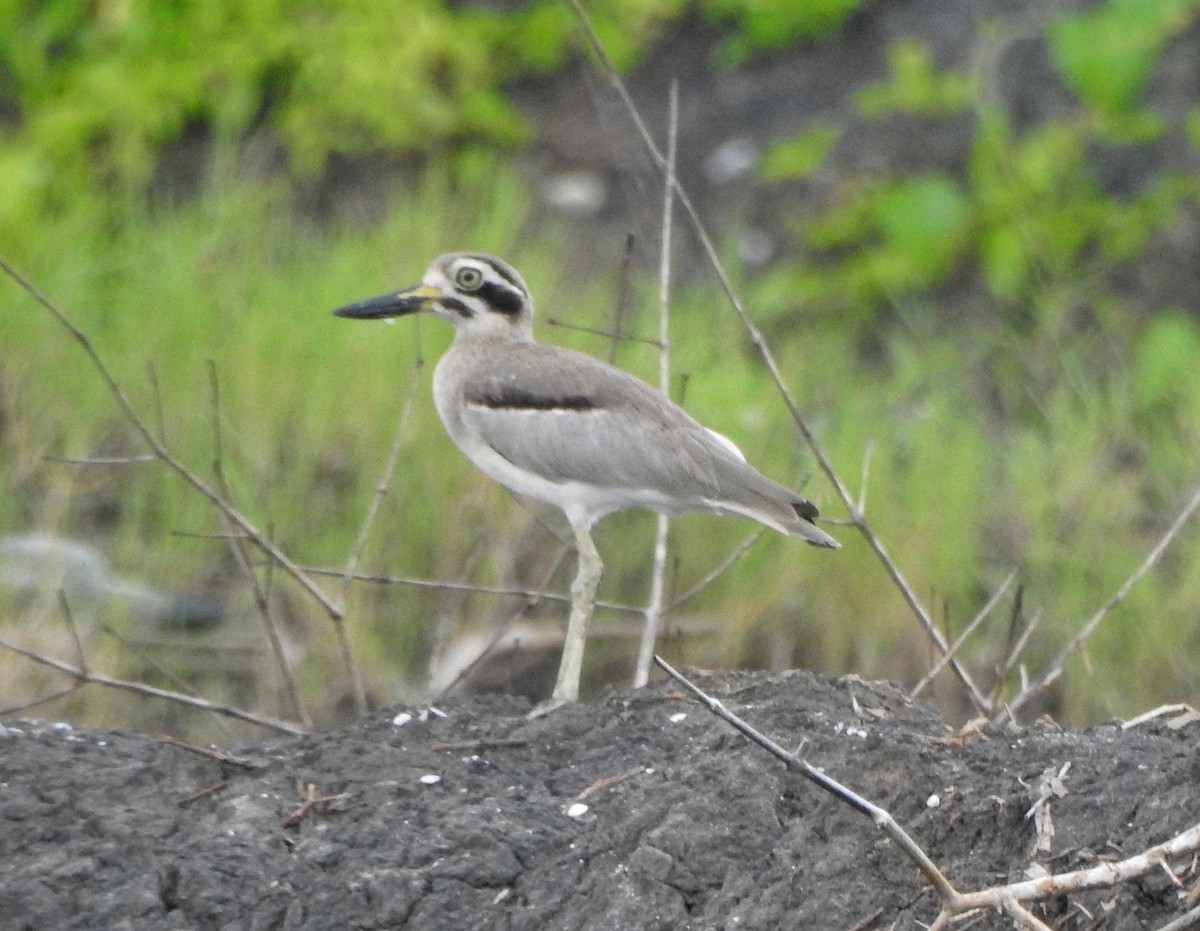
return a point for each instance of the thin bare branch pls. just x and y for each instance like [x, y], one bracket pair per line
[237, 546]
[1054, 670]
[881, 817]
[101, 460]
[26, 706]
[180, 686]
[163, 453]
[615, 337]
[384, 484]
[719, 569]
[450, 610]
[1186, 922]
[656, 604]
[503, 628]
[1024, 918]
[621, 304]
[1008, 899]
[1016, 651]
[760, 344]
[69, 617]
[530, 593]
[160, 418]
[1153, 713]
[84, 676]
[865, 480]
[1102, 876]
[358, 685]
[962, 637]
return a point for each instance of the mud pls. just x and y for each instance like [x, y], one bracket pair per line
[472, 818]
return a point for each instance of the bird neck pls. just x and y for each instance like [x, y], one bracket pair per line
[501, 331]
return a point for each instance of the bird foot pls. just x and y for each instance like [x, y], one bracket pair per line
[553, 703]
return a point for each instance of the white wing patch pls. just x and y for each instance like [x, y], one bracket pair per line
[727, 443]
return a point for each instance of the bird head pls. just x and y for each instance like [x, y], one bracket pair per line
[474, 292]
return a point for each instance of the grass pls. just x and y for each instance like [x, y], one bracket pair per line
[1069, 477]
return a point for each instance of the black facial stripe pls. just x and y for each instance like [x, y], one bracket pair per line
[516, 399]
[457, 306]
[504, 273]
[507, 301]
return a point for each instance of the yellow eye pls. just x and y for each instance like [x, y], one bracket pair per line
[468, 278]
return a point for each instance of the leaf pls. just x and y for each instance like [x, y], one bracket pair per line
[800, 156]
[1107, 55]
[925, 220]
[1004, 261]
[1167, 359]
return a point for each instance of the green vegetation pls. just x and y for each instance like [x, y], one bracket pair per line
[1050, 429]
[1024, 436]
[764, 25]
[99, 90]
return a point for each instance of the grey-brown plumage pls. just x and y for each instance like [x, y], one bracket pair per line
[568, 417]
[568, 429]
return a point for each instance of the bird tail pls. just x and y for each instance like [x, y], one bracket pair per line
[803, 527]
[770, 503]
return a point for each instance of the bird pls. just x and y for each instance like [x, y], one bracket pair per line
[570, 430]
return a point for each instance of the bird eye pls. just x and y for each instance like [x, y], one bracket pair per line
[468, 278]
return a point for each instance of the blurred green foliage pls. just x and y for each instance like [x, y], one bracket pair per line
[916, 87]
[1047, 429]
[97, 90]
[1027, 216]
[763, 25]
[798, 157]
[1060, 431]
[1108, 54]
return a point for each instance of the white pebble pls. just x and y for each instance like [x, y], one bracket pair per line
[933, 801]
[578, 810]
[401, 719]
[677, 717]
[430, 779]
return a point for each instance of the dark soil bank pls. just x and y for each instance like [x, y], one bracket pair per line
[475, 819]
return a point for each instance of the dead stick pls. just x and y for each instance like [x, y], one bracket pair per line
[85, 676]
[656, 604]
[1054, 670]
[161, 452]
[962, 638]
[1101, 876]
[1006, 899]
[1186, 922]
[759, 342]
[882, 819]
[382, 487]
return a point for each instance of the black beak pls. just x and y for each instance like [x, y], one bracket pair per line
[397, 304]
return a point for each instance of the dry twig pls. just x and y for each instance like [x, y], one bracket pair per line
[719, 569]
[531, 595]
[85, 676]
[1054, 670]
[163, 453]
[760, 344]
[358, 686]
[1008, 899]
[962, 637]
[656, 604]
[237, 546]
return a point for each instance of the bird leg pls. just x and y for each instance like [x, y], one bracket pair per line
[583, 600]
